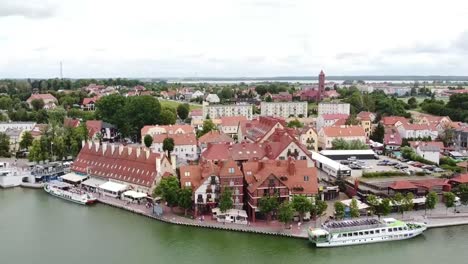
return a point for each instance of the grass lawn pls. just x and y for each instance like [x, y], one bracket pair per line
[172, 104]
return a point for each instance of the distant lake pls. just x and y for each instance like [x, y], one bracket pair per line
[246, 81]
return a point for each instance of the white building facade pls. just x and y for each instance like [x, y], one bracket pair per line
[284, 109]
[218, 111]
[333, 108]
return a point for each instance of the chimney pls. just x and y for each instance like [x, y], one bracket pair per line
[129, 150]
[138, 152]
[121, 147]
[147, 153]
[104, 148]
[292, 167]
[112, 148]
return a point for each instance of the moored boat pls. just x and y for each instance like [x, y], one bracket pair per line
[68, 192]
[363, 231]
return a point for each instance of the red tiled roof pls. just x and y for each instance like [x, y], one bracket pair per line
[41, 97]
[290, 173]
[256, 129]
[214, 136]
[93, 100]
[392, 120]
[196, 112]
[402, 185]
[93, 127]
[179, 139]
[340, 122]
[429, 184]
[344, 131]
[232, 120]
[364, 115]
[71, 122]
[127, 164]
[462, 178]
[38, 130]
[392, 137]
[415, 144]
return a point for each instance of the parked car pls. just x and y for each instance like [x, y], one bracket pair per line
[428, 167]
[355, 166]
[382, 163]
[392, 163]
[437, 169]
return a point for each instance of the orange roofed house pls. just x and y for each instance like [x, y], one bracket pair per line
[50, 102]
[327, 134]
[134, 166]
[283, 179]
[209, 180]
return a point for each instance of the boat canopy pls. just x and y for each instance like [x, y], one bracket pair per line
[361, 205]
[113, 187]
[73, 177]
[135, 195]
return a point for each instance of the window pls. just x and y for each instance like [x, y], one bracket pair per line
[188, 184]
[187, 173]
[306, 178]
[400, 229]
[366, 232]
[360, 233]
[377, 231]
[371, 232]
[249, 173]
[231, 170]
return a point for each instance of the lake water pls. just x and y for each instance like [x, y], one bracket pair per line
[38, 228]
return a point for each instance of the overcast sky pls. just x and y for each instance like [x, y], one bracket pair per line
[199, 38]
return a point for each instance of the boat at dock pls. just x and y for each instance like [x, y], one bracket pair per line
[69, 192]
[363, 231]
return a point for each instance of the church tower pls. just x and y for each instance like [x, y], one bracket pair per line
[321, 85]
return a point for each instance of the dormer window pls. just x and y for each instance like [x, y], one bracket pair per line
[231, 170]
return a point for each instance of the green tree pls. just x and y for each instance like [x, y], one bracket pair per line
[267, 204]
[148, 140]
[168, 117]
[339, 210]
[168, 189]
[431, 200]
[412, 103]
[208, 126]
[408, 202]
[354, 209]
[268, 99]
[185, 199]
[35, 151]
[4, 145]
[225, 201]
[318, 208]
[295, 124]
[183, 111]
[26, 140]
[168, 145]
[140, 111]
[398, 202]
[449, 199]
[385, 207]
[301, 204]
[373, 203]
[285, 212]
[111, 109]
[378, 134]
[37, 104]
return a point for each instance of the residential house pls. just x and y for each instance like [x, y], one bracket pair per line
[327, 120]
[15, 136]
[185, 145]
[282, 179]
[392, 139]
[209, 180]
[71, 122]
[394, 121]
[198, 94]
[89, 104]
[102, 131]
[213, 137]
[328, 134]
[440, 122]
[284, 109]
[429, 152]
[259, 129]
[230, 125]
[134, 166]
[167, 129]
[418, 131]
[280, 97]
[308, 137]
[460, 138]
[212, 99]
[16, 125]
[38, 130]
[366, 119]
[49, 100]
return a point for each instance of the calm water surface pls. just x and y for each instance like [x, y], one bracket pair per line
[38, 228]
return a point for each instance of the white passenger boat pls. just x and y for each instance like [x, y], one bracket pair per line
[68, 192]
[363, 231]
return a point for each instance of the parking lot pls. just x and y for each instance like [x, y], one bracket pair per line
[372, 166]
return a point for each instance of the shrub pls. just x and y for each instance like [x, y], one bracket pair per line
[383, 174]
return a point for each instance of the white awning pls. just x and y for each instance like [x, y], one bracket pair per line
[113, 187]
[135, 195]
[93, 182]
[361, 205]
[73, 177]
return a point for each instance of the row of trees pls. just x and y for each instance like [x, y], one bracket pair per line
[456, 108]
[340, 143]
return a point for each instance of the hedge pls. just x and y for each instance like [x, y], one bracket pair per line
[383, 174]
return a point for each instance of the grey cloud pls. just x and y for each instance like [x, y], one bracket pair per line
[417, 48]
[27, 9]
[462, 41]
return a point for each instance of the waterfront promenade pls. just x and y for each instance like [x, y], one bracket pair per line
[439, 217]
